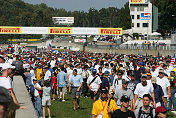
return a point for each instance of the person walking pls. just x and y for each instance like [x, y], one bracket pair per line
[104, 107]
[124, 91]
[141, 89]
[38, 101]
[145, 111]
[46, 99]
[94, 83]
[62, 82]
[76, 81]
[123, 112]
[85, 74]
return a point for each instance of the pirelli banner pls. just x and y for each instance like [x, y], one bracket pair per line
[10, 30]
[137, 1]
[61, 30]
[110, 31]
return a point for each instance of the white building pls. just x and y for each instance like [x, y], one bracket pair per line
[141, 15]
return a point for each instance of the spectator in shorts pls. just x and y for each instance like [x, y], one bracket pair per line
[93, 83]
[54, 85]
[62, 82]
[46, 99]
[76, 81]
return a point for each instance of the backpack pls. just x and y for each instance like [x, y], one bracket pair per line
[149, 114]
[32, 89]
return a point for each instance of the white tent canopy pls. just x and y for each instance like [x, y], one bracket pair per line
[155, 34]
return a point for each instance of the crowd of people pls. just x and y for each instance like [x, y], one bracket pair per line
[120, 86]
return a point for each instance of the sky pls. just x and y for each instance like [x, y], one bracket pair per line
[80, 5]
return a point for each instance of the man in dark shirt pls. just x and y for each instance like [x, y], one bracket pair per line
[132, 83]
[159, 94]
[105, 82]
[123, 112]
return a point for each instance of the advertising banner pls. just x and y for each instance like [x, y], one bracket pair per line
[84, 30]
[145, 16]
[59, 30]
[80, 40]
[34, 30]
[63, 20]
[136, 1]
[110, 31]
[10, 30]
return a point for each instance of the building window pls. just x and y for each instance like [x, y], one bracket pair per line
[132, 8]
[132, 16]
[132, 24]
[138, 16]
[140, 8]
[145, 24]
[138, 24]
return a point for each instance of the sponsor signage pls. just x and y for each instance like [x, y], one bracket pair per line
[10, 30]
[85, 30]
[59, 30]
[34, 30]
[145, 16]
[80, 40]
[110, 31]
[63, 20]
[136, 1]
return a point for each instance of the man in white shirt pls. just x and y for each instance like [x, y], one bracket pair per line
[141, 89]
[47, 74]
[38, 101]
[52, 63]
[165, 84]
[5, 80]
[93, 83]
[154, 72]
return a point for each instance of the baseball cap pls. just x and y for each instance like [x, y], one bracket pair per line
[106, 72]
[94, 70]
[6, 98]
[45, 66]
[6, 66]
[161, 71]
[34, 79]
[149, 74]
[132, 74]
[124, 98]
[160, 109]
[124, 81]
[141, 63]
[153, 80]
[144, 76]
[104, 90]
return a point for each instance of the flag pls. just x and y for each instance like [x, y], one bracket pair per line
[173, 59]
[141, 54]
[158, 56]
[138, 55]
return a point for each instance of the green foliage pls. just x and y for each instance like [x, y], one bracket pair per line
[167, 13]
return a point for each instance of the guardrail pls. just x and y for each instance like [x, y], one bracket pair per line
[138, 46]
